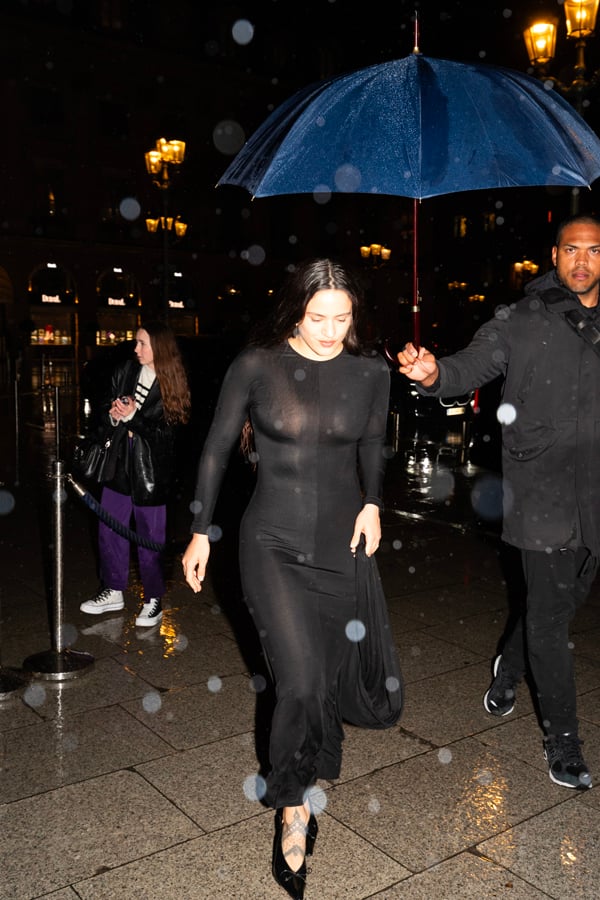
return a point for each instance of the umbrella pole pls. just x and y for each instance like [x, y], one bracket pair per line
[416, 311]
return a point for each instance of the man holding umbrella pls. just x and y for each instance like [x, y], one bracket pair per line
[546, 348]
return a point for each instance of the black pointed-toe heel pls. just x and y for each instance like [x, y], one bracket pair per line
[292, 882]
[312, 830]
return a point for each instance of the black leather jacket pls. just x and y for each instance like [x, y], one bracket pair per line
[145, 461]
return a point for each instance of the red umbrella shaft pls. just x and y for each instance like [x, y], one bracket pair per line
[415, 307]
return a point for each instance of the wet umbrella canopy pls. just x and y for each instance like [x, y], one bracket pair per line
[418, 127]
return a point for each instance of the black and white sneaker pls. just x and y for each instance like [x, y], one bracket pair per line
[499, 700]
[566, 765]
[105, 600]
[150, 613]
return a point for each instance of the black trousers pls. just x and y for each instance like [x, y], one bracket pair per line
[557, 583]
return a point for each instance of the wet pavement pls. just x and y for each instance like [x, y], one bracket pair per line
[134, 775]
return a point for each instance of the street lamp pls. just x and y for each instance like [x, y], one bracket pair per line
[376, 253]
[540, 41]
[161, 163]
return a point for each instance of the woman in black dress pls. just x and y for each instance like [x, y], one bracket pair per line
[317, 403]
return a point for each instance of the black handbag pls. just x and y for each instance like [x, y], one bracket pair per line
[93, 459]
[371, 692]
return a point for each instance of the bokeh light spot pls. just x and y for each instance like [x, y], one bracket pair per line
[242, 31]
[355, 630]
[130, 208]
[228, 137]
[7, 502]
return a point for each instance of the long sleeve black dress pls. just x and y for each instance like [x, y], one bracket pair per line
[319, 431]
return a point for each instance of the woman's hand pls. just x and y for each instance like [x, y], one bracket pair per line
[367, 523]
[122, 406]
[194, 561]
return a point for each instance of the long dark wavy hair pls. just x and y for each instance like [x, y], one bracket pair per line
[170, 372]
[295, 294]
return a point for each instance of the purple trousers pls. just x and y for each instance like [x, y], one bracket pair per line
[150, 523]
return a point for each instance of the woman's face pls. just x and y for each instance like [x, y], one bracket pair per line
[325, 324]
[143, 348]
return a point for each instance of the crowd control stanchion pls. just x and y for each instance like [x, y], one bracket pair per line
[59, 663]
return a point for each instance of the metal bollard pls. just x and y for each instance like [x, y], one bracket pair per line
[59, 663]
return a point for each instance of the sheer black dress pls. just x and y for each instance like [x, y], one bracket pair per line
[319, 431]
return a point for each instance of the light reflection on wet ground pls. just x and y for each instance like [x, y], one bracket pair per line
[431, 475]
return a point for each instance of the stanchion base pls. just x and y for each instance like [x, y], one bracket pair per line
[11, 680]
[58, 665]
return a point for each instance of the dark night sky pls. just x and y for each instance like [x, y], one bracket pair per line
[469, 30]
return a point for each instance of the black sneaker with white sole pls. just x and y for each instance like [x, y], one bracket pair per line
[499, 700]
[566, 765]
[150, 613]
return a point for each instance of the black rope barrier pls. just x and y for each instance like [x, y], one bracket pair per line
[109, 520]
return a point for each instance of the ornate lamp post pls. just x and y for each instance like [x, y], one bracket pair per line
[377, 254]
[161, 163]
[540, 41]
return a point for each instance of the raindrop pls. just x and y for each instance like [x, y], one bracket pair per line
[180, 642]
[347, 179]
[317, 799]
[506, 413]
[62, 496]
[412, 570]
[484, 777]
[214, 684]
[486, 497]
[442, 484]
[68, 634]
[255, 255]
[445, 755]
[214, 533]
[392, 684]
[388, 452]
[228, 137]
[151, 702]
[397, 544]
[322, 194]
[7, 502]
[35, 695]
[242, 31]
[195, 507]
[355, 630]
[254, 787]
[374, 806]
[300, 374]
[70, 742]
[130, 208]
[258, 684]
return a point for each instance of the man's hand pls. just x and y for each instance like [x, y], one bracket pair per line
[418, 365]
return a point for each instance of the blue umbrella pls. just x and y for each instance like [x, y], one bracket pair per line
[418, 127]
